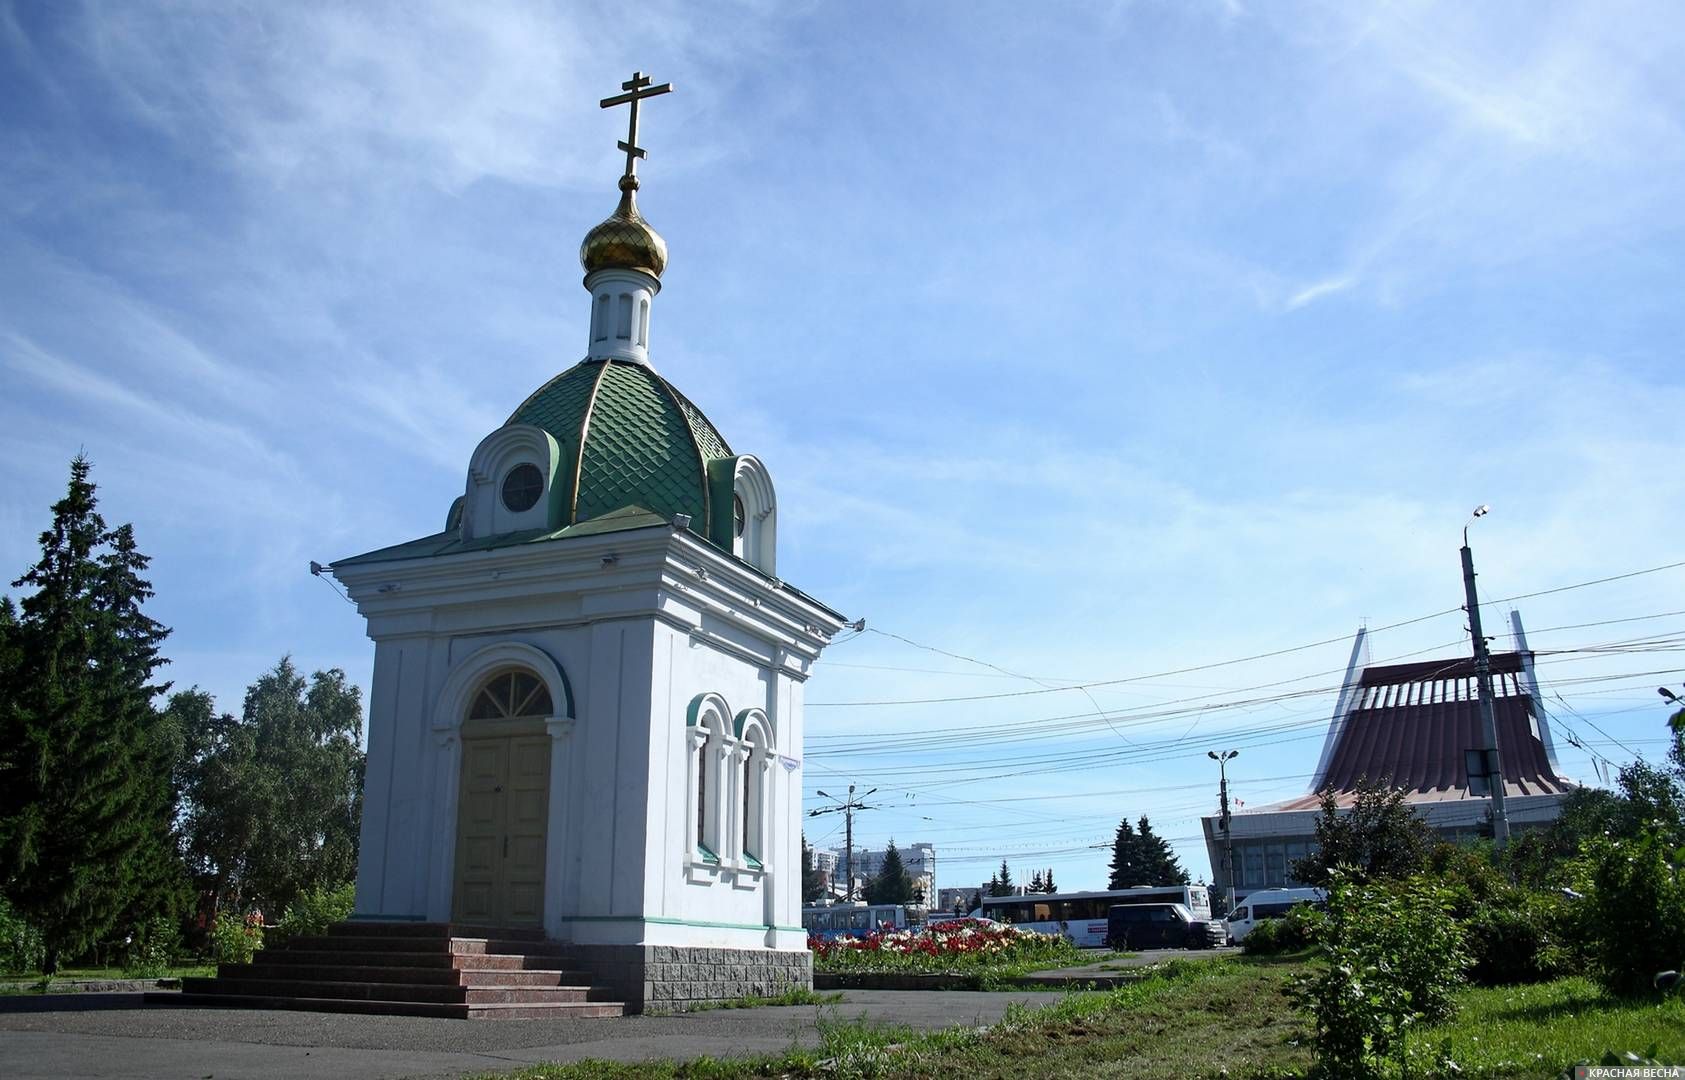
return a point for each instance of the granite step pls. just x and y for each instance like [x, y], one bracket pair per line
[410, 969]
[345, 990]
[440, 960]
[435, 976]
[433, 930]
[452, 1010]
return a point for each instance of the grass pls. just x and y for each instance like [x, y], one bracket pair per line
[1178, 1020]
[1539, 1030]
[1203, 1019]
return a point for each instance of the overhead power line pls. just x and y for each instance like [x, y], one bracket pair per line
[1214, 664]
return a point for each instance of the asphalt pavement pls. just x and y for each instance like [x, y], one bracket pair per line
[119, 1037]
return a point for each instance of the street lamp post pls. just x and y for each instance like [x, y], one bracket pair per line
[1222, 761]
[847, 807]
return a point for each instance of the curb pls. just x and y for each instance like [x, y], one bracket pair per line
[101, 986]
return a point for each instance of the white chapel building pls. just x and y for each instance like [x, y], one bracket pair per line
[586, 711]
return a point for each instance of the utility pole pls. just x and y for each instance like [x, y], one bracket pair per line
[847, 808]
[1493, 764]
[1222, 761]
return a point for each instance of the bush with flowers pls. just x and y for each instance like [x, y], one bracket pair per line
[959, 946]
[235, 936]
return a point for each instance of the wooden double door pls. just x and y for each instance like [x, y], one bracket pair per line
[502, 816]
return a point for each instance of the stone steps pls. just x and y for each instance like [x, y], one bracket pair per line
[431, 976]
[463, 1011]
[408, 969]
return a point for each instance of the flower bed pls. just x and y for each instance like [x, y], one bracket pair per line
[956, 947]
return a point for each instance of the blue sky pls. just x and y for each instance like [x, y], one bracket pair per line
[1111, 341]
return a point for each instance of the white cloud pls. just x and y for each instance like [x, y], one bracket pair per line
[1317, 290]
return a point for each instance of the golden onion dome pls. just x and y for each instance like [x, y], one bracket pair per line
[625, 241]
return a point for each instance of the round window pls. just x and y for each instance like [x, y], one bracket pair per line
[522, 487]
[737, 516]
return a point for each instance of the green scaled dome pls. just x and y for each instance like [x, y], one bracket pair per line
[628, 438]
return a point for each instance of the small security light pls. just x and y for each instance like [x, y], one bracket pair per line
[316, 568]
[681, 521]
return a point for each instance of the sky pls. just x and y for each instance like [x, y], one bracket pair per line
[1088, 342]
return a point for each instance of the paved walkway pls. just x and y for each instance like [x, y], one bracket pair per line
[100, 1036]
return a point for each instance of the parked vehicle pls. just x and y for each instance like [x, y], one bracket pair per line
[1268, 904]
[1160, 926]
[1081, 916]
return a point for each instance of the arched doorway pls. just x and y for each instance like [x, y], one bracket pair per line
[504, 803]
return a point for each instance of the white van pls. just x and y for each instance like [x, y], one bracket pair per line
[1268, 904]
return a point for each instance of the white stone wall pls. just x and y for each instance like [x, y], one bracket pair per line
[638, 637]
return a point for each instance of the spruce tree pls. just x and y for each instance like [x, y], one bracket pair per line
[1126, 858]
[892, 884]
[1047, 885]
[1004, 880]
[86, 812]
[1035, 882]
[1159, 863]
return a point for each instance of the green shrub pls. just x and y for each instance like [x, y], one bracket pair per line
[314, 911]
[235, 937]
[1390, 957]
[1634, 916]
[1290, 933]
[21, 951]
[1522, 937]
[153, 949]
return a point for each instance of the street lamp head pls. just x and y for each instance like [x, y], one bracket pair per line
[1666, 693]
[825, 794]
[1212, 754]
[1482, 510]
[1234, 753]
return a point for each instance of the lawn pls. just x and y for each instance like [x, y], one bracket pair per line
[1228, 1017]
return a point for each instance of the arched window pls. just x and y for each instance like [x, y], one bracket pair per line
[601, 332]
[754, 509]
[707, 740]
[511, 694]
[750, 838]
[754, 759]
[643, 321]
[702, 796]
[624, 332]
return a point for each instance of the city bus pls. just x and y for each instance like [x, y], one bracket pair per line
[852, 919]
[1081, 916]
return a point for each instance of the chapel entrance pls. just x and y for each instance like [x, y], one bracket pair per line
[504, 804]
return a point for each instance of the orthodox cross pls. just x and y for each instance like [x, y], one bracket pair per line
[637, 88]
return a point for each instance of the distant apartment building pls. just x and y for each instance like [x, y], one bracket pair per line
[919, 860]
[1408, 726]
[827, 863]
